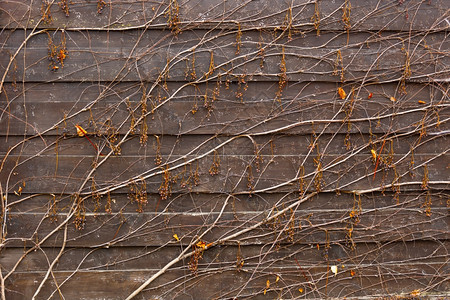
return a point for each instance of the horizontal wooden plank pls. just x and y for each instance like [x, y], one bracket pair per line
[277, 173]
[197, 203]
[170, 146]
[254, 256]
[109, 93]
[121, 15]
[179, 284]
[276, 261]
[307, 227]
[56, 108]
[126, 56]
[224, 118]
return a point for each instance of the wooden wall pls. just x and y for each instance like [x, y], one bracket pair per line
[232, 149]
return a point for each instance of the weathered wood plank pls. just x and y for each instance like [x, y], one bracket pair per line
[284, 255]
[278, 173]
[120, 15]
[55, 108]
[170, 146]
[223, 118]
[124, 56]
[216, 283]
[226, 91]
[198, 203]
[309, 227]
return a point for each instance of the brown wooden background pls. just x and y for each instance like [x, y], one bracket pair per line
[227, 159]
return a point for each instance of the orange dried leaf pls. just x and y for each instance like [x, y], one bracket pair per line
[300, 290]
[421, 102]
[62, 55]
[370, 95]
[342, 93]
[80, 130]
[267, 284]
[393, 99]
[352, 273]
[201, 244]
[415, 293]
[175, 236]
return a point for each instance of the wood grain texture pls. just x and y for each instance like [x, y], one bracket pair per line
[120, 15]
[282, 255]
[54, 109]
[149, 229]
[186, 203]
[135, 56]
[127, 266]
[171, 146]
[118, 284]
[279, 173]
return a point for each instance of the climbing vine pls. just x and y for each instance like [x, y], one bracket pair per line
[224, 149]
